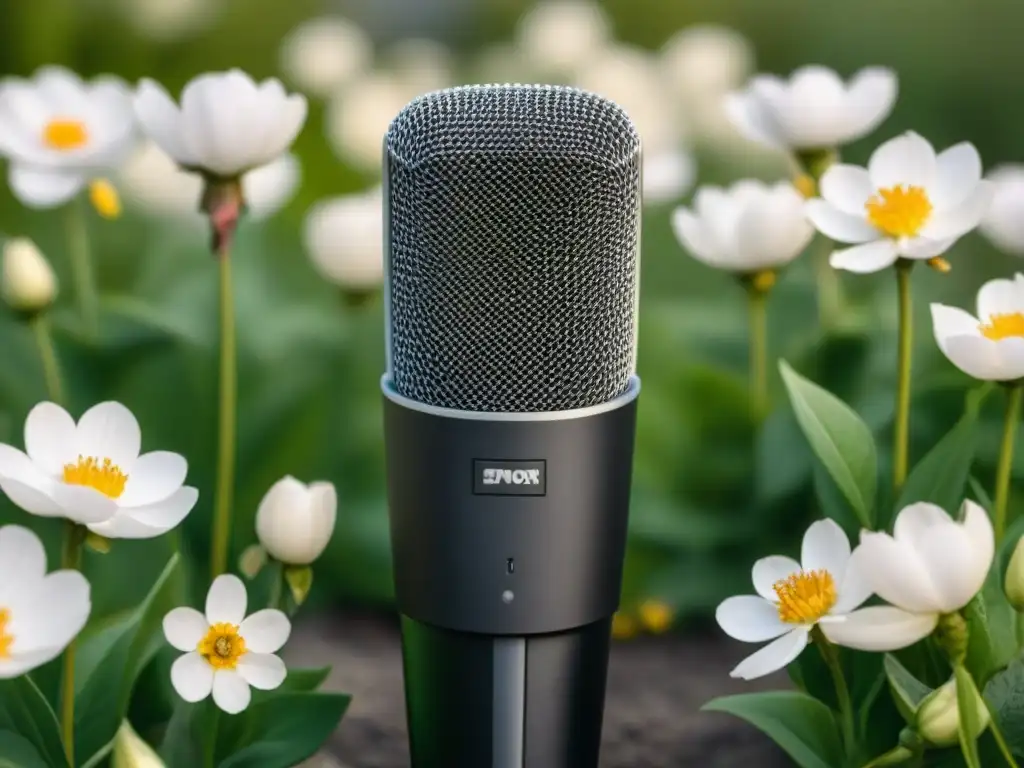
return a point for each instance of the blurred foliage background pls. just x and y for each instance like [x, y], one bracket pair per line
[712, 492]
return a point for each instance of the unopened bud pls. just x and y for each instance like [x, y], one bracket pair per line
[295, 521]
[29, 283]
[252, 561]
[952, 635]
[96, 543]
[938, 716]
[224, 203]
[1014, 584]
[130, 751]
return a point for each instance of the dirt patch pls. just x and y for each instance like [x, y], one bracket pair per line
[656, 686]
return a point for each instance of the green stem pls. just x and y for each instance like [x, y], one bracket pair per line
[1014, 393]
[71, 557]
[830, 296]
[277, 587]
[82, 267]
[210, 756]
[831, 657]
[48, 356]
[758, 351]
[227, 404]
[901, 433]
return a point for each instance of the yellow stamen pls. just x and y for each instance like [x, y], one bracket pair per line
[6, 639]
[806, 596]
[623, 626]
[104, 199]
[65, 135]
[223, 646]
[1003, 326]
[939, 264]
[656, 616]
[102, 475]
[805, 185]
[763, 281]
[899, 211]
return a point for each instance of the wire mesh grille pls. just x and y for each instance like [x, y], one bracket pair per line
[513, 231]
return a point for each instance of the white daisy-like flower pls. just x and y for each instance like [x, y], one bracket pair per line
[1003, 223]
[359, 115]
[40, 613]
[908, 203]
[706, 60]
[792, 598]
[560, 36]
[225, 651]
[667, 175]
[421, 65]
[814, 109]
[294, 521]
[91, 472]
[931, 565]
[322, 54]
[749, 227]
[990, 346]
[60, 133]
[342, 237]
[227, 124]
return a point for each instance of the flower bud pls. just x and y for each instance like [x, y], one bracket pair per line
[1014, 584]
[130, 751]
[295, 521]
[29, 283]
[938, 718]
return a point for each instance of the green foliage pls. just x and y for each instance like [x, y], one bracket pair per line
[25, 711]
[970, 720]
[18, 752]
[1005, 694]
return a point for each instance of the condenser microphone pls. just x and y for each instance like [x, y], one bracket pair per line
[512, 219]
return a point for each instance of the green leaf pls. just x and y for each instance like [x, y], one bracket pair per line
[24, 710]
[1005, 694]
[280, 732]
[970, 718]
[907, 690]
[18, 752]
[980, 494]
[839, 438]
[188, 733]
[126, 647]
[304, 680]
[992, 642]
[801, 725]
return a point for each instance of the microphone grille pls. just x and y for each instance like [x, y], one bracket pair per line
[512, 236]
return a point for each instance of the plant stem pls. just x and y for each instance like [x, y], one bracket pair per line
[830, 296]
[227, 406]
[276, 587]
[831, 657]
[901, 432]
[210, 756]
[48, 356]
[82, 267]
[71, 557]
[758, 351]
[1005, 469]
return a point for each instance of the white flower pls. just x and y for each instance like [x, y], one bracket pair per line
[746, 228]
[667, 175]
[706, 60]
[503, 63]
[40, 613]
[29, 284]
[343, 238]
[814, 109]
[225, 651]
[559, 36]
[59, 133]
[931, 565]
[359, 115]
[1003, 223]
[92, 473]
[322, 54]
[908, 203]
[172, 20]
[295, 521]
[421, 65]
[990, 346]
[792, 598]
[226, 125]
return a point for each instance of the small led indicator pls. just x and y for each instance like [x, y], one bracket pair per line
[507, 596]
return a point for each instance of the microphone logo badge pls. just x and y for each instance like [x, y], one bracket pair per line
[494, 477]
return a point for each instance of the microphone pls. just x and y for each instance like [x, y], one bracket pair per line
[511, 234]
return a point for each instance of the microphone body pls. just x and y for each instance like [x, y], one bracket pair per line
[511, 237]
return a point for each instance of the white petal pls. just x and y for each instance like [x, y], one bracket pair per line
[774, 656]
[151, 520]
[750, 116]
[978, 528]
[923, 248]
[265, 631]
[880, 628]
[771, 229]
[50, 612]
[896, 573]
[110, 431]
[50, 437]
[192, 677]
[863, 259]
[230, 691]
[161, 120]
[268, 188]
[750, 618]
[290, 119]
[226, 601]
[39, 188]
[967, 215]
[694, 235]
[915, 519]
[959, 171]
[83, 504]
[825, 548]
[154, 477]
[836, 225]
[948, 322]
[29, 498]
[22, 557]
[870, 96]
[854, 588]
[847, 187]
[1000, 297]
[184, 628]
[983, 358]
[768, 571]
[908, 159]
[20, 663]
[947, 552]
[262, 670]
[814, 116]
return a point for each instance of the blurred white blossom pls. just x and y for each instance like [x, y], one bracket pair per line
[359, 116]
[343, 236]
[1003, 224]
[503, 63]
[172, 20]
[28, 281]
[667, 175]
[560, 36]
[322, 54]
[420, 65]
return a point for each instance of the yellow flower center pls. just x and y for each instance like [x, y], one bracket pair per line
[65, 135]
[103, 475]
[656, 616]
[6, 638]
[223, 646]
[104, 198]
[806, 596]
[1003, 326]
[899, 211]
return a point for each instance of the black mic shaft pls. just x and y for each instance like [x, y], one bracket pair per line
[512, 220]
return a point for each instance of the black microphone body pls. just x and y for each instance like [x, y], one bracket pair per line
[511, 234]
